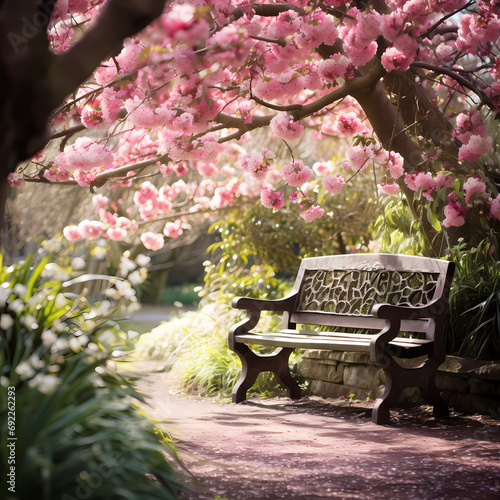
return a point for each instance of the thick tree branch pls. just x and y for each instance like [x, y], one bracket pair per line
[118, 20]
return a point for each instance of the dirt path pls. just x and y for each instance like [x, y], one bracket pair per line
[313, 449]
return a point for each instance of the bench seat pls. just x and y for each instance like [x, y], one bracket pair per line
[356, 342]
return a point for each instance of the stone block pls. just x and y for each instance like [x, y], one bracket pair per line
[411, 395]
[454, 364]
[363, 376]
[329, 371]
[329, 390]
[478, 386]
[490, 371]
[472, 403]
[449, 382]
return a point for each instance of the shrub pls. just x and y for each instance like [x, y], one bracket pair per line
[196, 345]
[78, 431]
[473, 326]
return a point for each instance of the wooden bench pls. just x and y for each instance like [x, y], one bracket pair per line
[386, 294]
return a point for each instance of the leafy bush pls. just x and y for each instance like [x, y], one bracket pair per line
[473, 326]
[78, 431]
[196, 345]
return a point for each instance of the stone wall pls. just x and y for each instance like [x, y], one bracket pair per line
[467, 385]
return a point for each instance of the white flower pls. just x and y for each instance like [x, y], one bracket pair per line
[61, 344]
[48, 337]
[25, 370]
[20, 290]
[74, 344]
[112, 293]
[61, 300]
[4, 294]
[54, 272]
[29, 322]
[44, 383]
[78, 263]
[107, 338]
[6, 322]
[142, 260]
[36, 362]
[16, 306]
[136, 278]
[126, 265]
[4, 382]
[84, 340]
[132, 334]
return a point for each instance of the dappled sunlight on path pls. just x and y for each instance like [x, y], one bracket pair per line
[313, 448]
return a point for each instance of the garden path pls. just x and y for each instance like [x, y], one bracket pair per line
[317, 449]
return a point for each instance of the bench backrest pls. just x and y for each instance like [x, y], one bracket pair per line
[341, 290]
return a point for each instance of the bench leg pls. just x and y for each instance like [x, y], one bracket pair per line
[253, 364]
[431, 393]
[392, 392]
[399, 378]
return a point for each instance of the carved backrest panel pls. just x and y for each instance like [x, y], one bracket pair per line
[356, 291]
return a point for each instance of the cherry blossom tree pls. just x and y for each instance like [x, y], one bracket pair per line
[119, 99]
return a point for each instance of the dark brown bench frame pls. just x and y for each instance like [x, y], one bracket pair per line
[388, 319]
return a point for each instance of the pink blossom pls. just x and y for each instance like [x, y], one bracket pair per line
[322, 167]
[91, 229]
[424, 181]
[100, 201]
[272, 199]
[16, 179]
[393, 59]
[72, 233]
[313, 212]
[388, 188]
[358, 156]
[206, 169]
[475, 148]
[123, 222]
[348, 124]
[84, 154]
[334, 67]
[495, 207]
[85, 178]
[443, 181]
[469, 124]
[116, 233]
[296, 173]
[474, 188]
[395, 165]
[152, 241]
[333, 183]
[283, 126]
[143, 113]
[453, 217]
[147, 192]
[173, 229]
[107, 217]
[254, 164]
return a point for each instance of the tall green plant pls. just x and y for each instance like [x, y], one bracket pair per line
[76, 431]
[473, 328]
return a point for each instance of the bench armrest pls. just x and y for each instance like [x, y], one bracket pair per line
[251, 304]
[434, 309]
[254, 307]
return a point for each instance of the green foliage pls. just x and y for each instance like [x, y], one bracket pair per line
[78, 431]
[196, 345]
[398, 230]
[473, 326]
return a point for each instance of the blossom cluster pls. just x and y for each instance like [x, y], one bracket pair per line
[207, 73]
